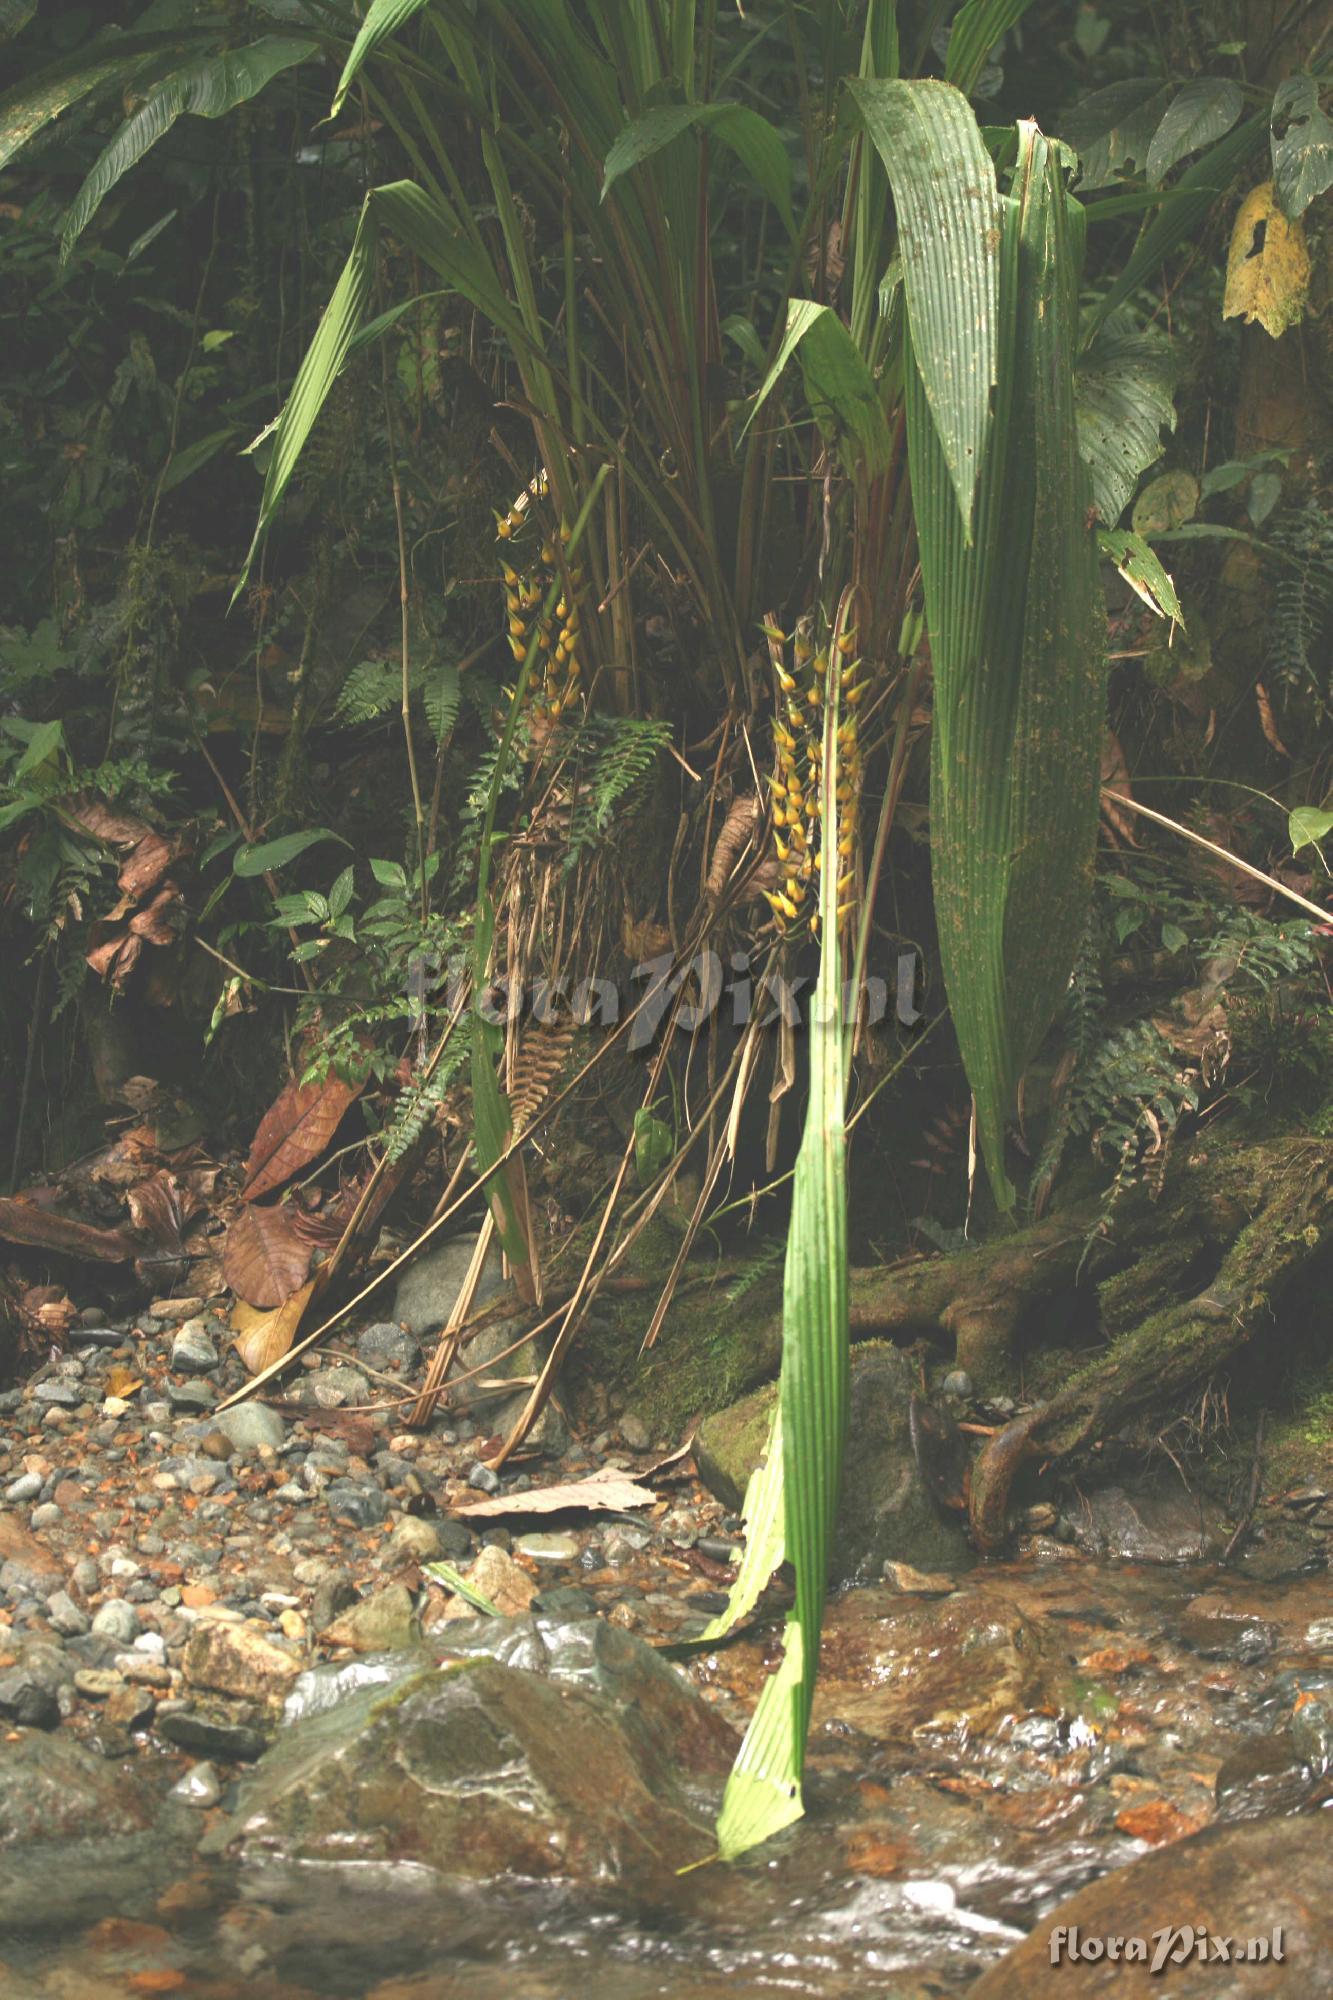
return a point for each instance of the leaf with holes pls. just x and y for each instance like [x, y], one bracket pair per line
[1268, 268]
[265, 1260]
[1302, 143]
[295, 1131]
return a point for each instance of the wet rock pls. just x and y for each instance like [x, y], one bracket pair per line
[886, 1511]
[235, 1659]
[1161, 1524]
[212, 1735]
[958, 1383]
[547, 1548]
[65, 1615]
[27, 1569]
[194, 1394]
[26, 1488]
[377, 1624]
[29, 1691]
[483, 1477]
[425, 1297]
[322, 1688]
[479, 1770]
[250, 1425]
[192, 1351]
[1235, 1882]
[388, 1346]
[362, 1506]
[1262, 1776]
[333, 1388]
[635, 1432]
[333, 1594]
[119, 1621]
[499, 1579]
[58, 1395]
[53, 1790]
[416, 1540]
[199, 1787]
[1221, 1628]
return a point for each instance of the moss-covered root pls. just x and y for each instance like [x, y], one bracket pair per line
[1174, 1348]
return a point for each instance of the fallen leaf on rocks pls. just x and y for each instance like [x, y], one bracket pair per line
[293, 1132]
[264, 1261]
[601, 1491]
[47, 1312]
[918, 1583]
[122, 1382]
[264, 1337]
[161, 1208]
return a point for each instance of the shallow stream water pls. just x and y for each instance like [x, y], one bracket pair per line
[976, 1757]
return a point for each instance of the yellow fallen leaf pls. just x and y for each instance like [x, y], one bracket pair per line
[1268, 266]
[264, 1337]
[122, 1382]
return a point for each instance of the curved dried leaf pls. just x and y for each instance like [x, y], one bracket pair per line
[294, 1131]
[264, 1261]
[1268, 266]
[263, 1338]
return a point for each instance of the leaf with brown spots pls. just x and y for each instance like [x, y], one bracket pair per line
[294, 1131]
[265, 1260]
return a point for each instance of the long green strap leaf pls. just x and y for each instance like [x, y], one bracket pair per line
[1017, 654]
[948, 233]
[383, 18]
[977, 28]
[757, 145]
[839, 387]
[764, 1540]
[764, 1791]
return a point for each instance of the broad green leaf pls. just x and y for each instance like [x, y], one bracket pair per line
[1113, 129]
[1187, 204]
[1263, 496]
[193, 457]
[389, 874]
[977, 27]
[14, 17]
[1173, 938]
[1166, 502]
[839, 387]
[1307, 826]
[272, 854]
[383, 18]
[31, 105]
[46, 741]
[764, 1791]
[757, 145]
[208, 87]
[948, 234]
[1301, 136]
[1142, 571]
[1019, 671]
[1204, 110]
[1122, 397]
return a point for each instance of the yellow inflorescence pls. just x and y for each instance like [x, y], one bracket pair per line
[558, 669]
[801, 669]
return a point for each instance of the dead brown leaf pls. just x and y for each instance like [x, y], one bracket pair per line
[121, 1381]
[47, 1312]
[265, 1260]
[294, 1131]
[42, 1229]
[147, 864]
[607, 1490]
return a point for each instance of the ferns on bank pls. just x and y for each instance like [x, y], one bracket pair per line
[1302, 618]
[621, 751]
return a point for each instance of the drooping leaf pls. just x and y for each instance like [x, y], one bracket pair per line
[948, 233]
[1268, 266]
[14, 17]
[1112, 129]
[32, 105]
[1307, 826]
[1142, 571]
[383, 18]
[1203, 110]
[293, 1132]
[1301, 137]
[1019, 678]
[757, 145]
[1122, 398]
[264, 1260]
[208, 87]
[839, 387]
[977, 27]
[271, 854]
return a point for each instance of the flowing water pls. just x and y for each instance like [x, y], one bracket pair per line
[976, 1757]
